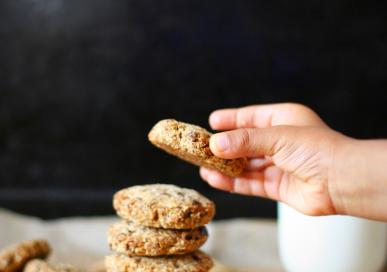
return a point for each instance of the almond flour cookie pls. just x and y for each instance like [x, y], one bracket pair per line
[193, 262]
[134, 240]
[163, 206]
[191, 143]
[13, 258]
[98, 266]
[37, 265]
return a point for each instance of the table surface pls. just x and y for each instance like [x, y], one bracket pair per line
[241, 245]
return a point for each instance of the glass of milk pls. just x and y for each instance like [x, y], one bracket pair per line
[330, 243]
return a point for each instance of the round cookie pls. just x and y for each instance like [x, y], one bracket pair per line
[191, 143]
[194, 262]
[13, 258]
[98, 266]
[37, 265]
[134, 240]
[163, 206]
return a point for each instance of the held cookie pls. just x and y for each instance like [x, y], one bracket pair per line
[135, 240]
[191, 143]
[13, 258]
[193, 262]
[163, 206]
[37, 265]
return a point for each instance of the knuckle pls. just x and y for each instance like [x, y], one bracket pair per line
[297, 107]
[239, 118]
[245, 138]
[302, 113]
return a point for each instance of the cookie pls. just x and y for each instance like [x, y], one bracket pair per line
[191, 143]
[193, 262]
[37, 265]
[14, 258]
[163, 206]
[135, 240]
[98, 266]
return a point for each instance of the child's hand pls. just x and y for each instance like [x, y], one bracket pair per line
[297, 159]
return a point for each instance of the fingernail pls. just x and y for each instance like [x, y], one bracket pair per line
[221, 142]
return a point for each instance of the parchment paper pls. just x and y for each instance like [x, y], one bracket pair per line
[239, 244]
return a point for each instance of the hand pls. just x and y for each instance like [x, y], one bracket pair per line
[294, 156]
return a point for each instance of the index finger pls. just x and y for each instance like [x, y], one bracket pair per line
[261, 116]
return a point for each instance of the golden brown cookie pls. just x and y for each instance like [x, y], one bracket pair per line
[98, 266]
[191, 143]
[37, 265]
[194, 262]
[135, 240]
[163, 206]
[14, 258]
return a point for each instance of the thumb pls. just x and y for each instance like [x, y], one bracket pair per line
[251, 142]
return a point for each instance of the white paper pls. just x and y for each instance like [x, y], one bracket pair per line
[237, 243]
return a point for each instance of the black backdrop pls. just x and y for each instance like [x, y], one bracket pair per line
[82, 82]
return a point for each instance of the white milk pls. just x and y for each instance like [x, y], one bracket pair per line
[330, 243]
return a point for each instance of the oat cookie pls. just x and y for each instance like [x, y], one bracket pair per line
[191, 143]
[193, 262]
[14, 258]
[98, 266]
[135, 240]
[37, 265]
[163, 206]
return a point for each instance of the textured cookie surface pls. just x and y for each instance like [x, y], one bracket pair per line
[193, 262]
[37, 265]
[191, 143]
[135, 240]
[14, 258]
[163, 206]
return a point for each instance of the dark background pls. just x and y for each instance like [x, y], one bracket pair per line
[82, 82]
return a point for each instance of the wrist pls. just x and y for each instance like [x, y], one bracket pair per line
[359, 179]
[345, 171]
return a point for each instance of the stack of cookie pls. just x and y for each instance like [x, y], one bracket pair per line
[162, 229]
